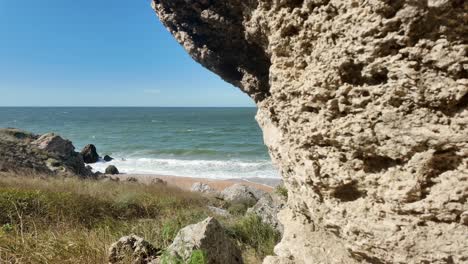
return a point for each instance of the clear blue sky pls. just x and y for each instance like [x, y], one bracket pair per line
[99, 53]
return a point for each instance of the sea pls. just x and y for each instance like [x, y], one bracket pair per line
[218, 143]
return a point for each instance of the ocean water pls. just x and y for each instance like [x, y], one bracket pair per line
[193, 142]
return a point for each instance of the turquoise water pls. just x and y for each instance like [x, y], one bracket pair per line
[194, 142]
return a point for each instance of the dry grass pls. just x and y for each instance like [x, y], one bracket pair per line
[67, 220]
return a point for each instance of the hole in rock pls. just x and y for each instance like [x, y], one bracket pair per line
[375, 164]
[348, 192]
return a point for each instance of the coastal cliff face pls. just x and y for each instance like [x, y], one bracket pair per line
[363, 105]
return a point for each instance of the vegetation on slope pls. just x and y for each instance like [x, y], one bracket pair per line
[67, 220]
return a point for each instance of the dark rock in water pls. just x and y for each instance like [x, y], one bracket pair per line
[108, 158]
[22, 151]
[112, 170]
[89, 154]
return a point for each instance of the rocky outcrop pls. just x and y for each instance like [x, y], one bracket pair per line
[133, 249]
[22, 151]
[209, 237]
[363, 105]
[90, 154]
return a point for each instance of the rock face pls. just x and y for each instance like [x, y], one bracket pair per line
[90, 154]
[132, 249]
[363, 105]
[208, 236]
[22, 151]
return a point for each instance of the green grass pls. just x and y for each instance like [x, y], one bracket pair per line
[282, 191]
[67, 220]
[252, 232]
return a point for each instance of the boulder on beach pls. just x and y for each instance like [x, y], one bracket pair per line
[267, 208]
[132, 249]
[107, 158]
[208, 236]
[157, 181]
[242, 193]
[112, 170]
[90, 154]
[202, 188]
[132, 179]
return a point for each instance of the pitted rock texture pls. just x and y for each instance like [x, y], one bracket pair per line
[363, 105]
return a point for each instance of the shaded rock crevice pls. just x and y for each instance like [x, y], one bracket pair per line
[363, 106]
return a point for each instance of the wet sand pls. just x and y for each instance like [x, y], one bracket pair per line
[218, 184]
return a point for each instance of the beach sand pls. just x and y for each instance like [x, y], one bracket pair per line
[218, 184]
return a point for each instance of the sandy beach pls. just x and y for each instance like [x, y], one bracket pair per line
[218, 184]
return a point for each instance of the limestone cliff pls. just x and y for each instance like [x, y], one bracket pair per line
[363, 105]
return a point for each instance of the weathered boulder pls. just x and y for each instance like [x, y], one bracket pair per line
[47, 154]
[363, 106]
[267, 208]
[90, 154]
[132, 249]
[131, 179]
[219, 211]
[242, 193]
[202, 188]
[158, 181]
[111, 170]
[209, 237]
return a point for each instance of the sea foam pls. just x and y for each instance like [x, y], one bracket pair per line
[216, 169]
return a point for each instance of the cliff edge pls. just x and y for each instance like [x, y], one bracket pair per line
[363, 105]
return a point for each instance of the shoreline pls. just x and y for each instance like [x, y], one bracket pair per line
[218, 184]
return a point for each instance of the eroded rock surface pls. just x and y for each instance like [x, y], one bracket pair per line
[363, 105]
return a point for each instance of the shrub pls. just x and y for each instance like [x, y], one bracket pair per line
[251, 231]
[281, 190]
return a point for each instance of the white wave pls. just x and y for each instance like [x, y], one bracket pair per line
[215, 169]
